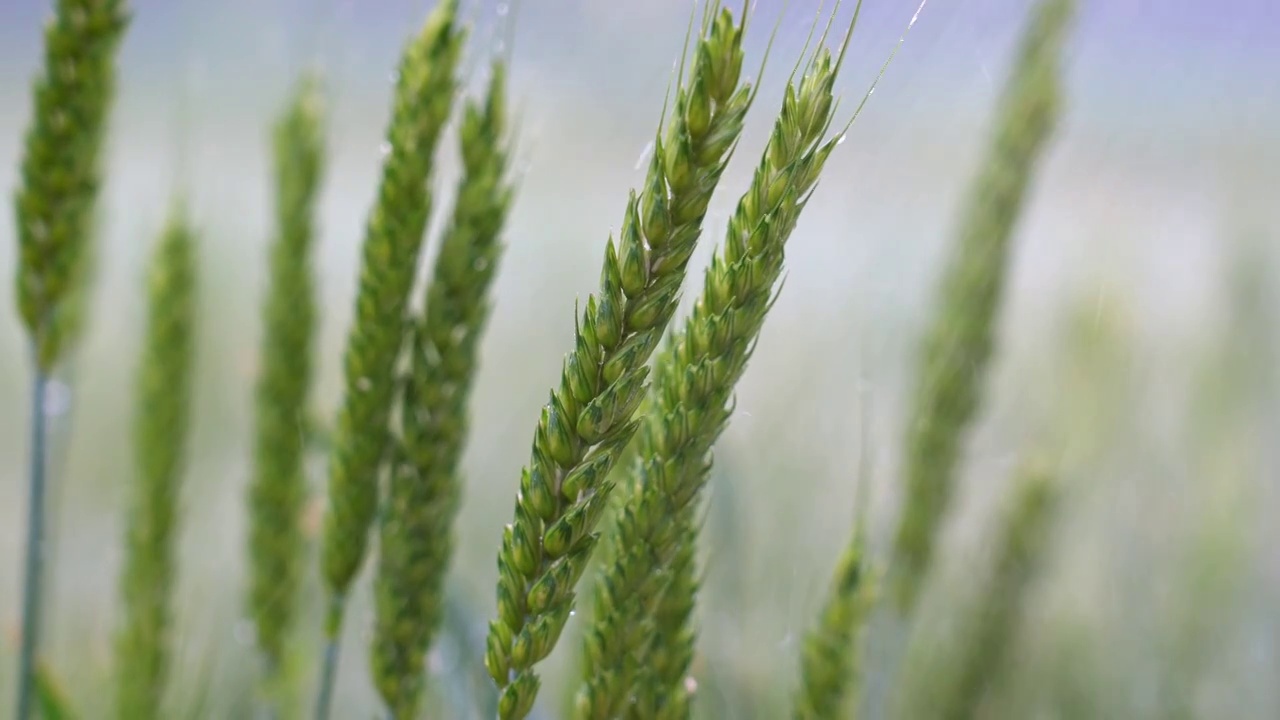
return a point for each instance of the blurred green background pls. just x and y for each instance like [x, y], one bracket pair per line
[1140, 338]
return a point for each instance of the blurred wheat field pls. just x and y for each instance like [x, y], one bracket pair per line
[1140, 330]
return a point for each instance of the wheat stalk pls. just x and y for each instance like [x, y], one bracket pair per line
[588, 421]
[828, 659]
[277, 491]
[53, 208]
[958, 345]
[160, 436]
[634, 632]
[393, 239]
[423, 492]
[950, 682]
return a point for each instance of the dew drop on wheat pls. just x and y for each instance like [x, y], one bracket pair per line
[841, 139]
[384, 149]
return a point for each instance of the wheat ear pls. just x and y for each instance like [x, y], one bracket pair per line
[423, 491]
[53, 210]
[829, 657]
[958, 345]
[160, 438]
[424, 95]
[694, 381]
[951, 685]
[277, 491]
[588, 421]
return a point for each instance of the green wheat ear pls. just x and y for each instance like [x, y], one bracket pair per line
[423, 99]
[949, 682]
[54, 208]
[588, 421]
[829, 658]
[160, 438]
[416, 539]
[640, 645]
[277, 491]
[55, 202]
[958, 346]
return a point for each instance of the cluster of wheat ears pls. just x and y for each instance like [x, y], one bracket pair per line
[622, 450]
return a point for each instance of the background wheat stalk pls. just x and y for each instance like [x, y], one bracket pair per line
[829, 656]
[588, 421]
[416, 538]
[424, 95]
[160, 436]
[54, 208]
[949, 681]
[958, 345]
[278, 489]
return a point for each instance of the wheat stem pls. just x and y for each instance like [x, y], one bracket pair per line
[33, 569]
[588, 422]
[959, 343]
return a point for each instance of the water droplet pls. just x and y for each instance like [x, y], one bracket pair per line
[394, 77]
[572, 613]
[503, 9]
[384, 149]
[841, 140]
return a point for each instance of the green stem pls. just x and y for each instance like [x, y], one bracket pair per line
[332, 649]
[35, 548]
